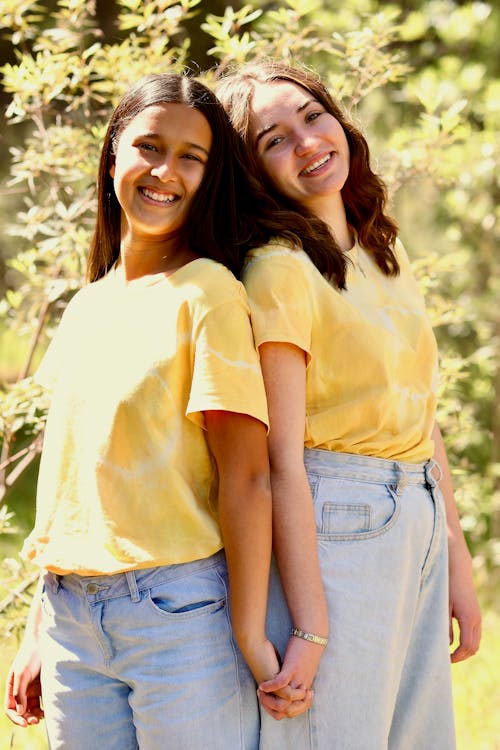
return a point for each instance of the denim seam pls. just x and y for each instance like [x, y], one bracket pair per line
[418, 481]
[126, 592]
[358, 509]
[179, 577]
[313, 486]
[361, 536]
[435, 543]
[102, 638]
[191, 614]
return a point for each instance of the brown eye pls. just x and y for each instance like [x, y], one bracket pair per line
[274, 141]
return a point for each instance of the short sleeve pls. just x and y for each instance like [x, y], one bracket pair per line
[66, 340]
[279, 297]
[52, 365]
[226, 369]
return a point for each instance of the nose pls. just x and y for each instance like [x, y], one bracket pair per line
[164, 170]
[305, 142]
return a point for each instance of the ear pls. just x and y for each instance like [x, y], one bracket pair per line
[112, 170]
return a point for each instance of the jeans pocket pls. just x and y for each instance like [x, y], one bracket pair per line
[194, 595]
[345, 518]
[353, 510]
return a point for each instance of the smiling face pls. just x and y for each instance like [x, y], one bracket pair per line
[159, 165]
[301, 147]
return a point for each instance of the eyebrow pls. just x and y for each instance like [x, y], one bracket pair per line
[155, 136]
[268, 128]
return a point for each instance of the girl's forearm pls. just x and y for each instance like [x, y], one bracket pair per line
[34, 618]
[296, 551]
[245, 518]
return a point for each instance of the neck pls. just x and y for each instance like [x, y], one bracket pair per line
[138, 259]
[332, 211]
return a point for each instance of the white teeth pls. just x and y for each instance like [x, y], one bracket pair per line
[158, 197]
[317, 164]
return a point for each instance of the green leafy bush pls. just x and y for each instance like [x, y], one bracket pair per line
[432, 120]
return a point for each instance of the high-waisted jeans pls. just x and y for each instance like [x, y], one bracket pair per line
[384, 681]
[145, 659]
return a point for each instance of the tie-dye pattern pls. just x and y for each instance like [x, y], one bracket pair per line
[372, 356]
[126, 479]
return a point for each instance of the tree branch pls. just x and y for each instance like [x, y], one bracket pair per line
[31, 452]
[19, 591]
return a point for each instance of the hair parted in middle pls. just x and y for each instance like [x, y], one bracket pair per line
[364, 193]
[230, 212]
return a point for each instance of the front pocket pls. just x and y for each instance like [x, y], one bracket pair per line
[350, 510]
[346, 519]
[201, 593]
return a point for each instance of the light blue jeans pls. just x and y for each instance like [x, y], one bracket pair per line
[145, 660]
[384, 682]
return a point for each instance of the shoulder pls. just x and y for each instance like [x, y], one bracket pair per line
[82, 298]
[93, 289]
[209, 283]
[279, 276]
[278, 255]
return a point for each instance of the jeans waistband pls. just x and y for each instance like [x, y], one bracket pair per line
[370, 468]
[131, 582]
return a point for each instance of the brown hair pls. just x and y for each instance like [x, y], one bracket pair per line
[230, 212]
[364, 193]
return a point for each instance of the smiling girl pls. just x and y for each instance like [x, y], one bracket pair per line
[154, 457]
[350, 367]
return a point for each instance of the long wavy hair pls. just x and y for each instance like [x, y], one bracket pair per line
[230, 212]
[364, 193]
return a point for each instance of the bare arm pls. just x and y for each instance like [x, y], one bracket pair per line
[464, 606]
[238, 443]
[22, 690]
[294, 527]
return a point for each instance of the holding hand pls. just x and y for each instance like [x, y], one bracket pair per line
[290, 692]
[23, 690]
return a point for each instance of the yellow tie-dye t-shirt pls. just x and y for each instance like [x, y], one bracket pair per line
[126, 477]
[371, 376]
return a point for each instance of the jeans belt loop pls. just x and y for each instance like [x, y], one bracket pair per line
[132, 586]
[433, 480]
[402, 480]
[52, 580]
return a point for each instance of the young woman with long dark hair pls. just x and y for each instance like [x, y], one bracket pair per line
[155, 455]
[350, 366]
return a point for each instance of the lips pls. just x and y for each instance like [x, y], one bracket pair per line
[157, 197]
[316, 164]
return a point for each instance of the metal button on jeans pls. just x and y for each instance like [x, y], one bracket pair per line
[92, 588]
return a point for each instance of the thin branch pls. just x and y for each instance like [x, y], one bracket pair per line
[5, 452]
[34, 450]
[16, 456]
[19, 591]
[13, 191]
[4, 456]
[35, 338]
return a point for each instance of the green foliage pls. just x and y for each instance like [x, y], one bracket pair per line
[422, 78]
[23, 409]
[476, 693]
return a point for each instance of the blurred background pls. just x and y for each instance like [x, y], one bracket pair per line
[422, 80]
